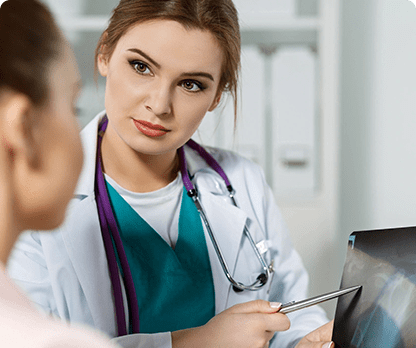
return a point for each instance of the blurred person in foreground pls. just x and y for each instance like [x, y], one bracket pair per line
[40, 158]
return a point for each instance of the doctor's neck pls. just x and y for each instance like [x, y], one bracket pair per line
[135, 171]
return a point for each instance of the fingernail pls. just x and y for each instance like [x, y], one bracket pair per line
[328, 345]
[275, 305]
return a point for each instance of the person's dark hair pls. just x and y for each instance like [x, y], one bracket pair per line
[29, 40]
[216, 16]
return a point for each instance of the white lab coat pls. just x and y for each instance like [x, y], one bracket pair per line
[66, 272]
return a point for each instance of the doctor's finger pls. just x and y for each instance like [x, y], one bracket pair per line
[321, 334]
[257, 306]
[276, 322]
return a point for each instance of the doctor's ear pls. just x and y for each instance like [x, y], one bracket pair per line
[102, 64]
[103, 56]
[17, 112]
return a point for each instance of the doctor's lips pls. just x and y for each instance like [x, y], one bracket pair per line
[150, 129]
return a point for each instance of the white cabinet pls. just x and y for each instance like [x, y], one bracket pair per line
[262, 8]
[294, 141]
[282, 113]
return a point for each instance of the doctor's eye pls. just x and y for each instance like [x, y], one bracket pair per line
[193, 86]
[140, 67]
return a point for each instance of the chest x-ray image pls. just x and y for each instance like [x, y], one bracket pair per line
[383, 313]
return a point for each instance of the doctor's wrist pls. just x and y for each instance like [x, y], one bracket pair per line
[194, 337]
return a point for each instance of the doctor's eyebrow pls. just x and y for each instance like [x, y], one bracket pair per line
[136, 50]
[157, 65]
[203, 74]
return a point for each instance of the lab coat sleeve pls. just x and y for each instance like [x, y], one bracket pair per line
[28, 269]
[290, 281]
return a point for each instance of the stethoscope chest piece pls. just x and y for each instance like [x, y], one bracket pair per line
[261, 279]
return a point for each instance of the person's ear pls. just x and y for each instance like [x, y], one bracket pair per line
[216, 101]
[102, 64]
[16, 109]
[102, 57]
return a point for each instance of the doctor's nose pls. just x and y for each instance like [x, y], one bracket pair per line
[159, 100]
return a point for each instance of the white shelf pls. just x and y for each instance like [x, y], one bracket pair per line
[84, 23]
[275, 30]
[260, 30]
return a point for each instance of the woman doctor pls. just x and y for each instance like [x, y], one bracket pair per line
[135, 257]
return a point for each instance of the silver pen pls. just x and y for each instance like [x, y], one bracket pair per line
[294, 306]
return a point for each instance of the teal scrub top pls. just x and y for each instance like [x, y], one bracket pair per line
[174, 287]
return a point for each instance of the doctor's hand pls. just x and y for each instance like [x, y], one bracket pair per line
[251, 324]
[320, 338]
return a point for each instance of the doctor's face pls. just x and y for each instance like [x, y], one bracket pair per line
[161, 80]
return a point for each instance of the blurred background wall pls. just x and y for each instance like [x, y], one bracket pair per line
[378, 115]
[328, 109]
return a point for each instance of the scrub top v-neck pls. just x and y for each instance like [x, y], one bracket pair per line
[174, 287]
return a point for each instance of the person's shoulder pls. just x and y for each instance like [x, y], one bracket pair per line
[59, 335]
[22, 326]
[36, 331]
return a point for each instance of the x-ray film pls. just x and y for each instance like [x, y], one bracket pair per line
[382, 313]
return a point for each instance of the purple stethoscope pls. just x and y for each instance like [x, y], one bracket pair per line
[111, 236]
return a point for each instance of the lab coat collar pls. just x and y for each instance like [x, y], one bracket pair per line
[85, 185]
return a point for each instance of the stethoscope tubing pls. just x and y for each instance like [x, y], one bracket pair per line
[110, 233]
[259, 281]
[193, 193]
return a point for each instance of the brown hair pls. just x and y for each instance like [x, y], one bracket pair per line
[29, 40]
[217, 16]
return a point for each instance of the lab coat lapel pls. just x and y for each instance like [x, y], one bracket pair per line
[83, 240]
[227, 223]
[86, 252]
